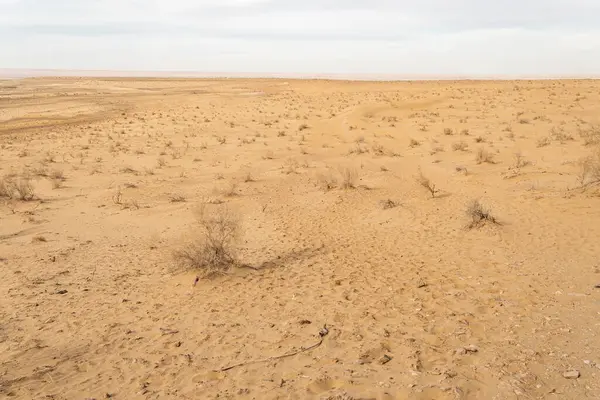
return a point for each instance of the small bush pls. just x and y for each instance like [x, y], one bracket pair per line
[460, 146]
[427, 184]
[590, 135]
[387, 204]
[484, 156]
[479, 214]
[22, 189]
[349, 176]
[414, 143]
[327, 181]
[543, 142]
[589, 169]
[213, 250]
[448, 131]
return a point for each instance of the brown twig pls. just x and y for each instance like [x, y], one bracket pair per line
[323, 333]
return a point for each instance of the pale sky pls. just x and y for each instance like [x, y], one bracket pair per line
[424, 37]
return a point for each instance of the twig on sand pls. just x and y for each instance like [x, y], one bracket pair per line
[322, 334]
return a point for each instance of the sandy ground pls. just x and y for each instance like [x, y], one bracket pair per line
[416, 305]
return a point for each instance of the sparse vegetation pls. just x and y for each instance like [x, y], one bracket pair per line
[479, 215]
[589, 169]
[460, 146]
[590, 135]
[543, 141]
[20, 189]
[484, 156]
[388, 203]
[349, 177]
[214, 247]
[327, 181]
[427, 184]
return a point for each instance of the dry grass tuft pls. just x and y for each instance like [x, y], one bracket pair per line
[387, 204]
[349, 176]
[427, 184]
[460, 146]
[21, 189]
[479, 215]
[589, 169]
[327, 181]
[213, 250]
[591, 135]
[484, 156]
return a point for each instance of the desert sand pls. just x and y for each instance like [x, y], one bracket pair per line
[367, 284]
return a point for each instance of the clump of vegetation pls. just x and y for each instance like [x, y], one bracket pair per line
[327, 181]
[479, 215]
[387, 204]
[349, 176]
[589, 169]
[484, 156]
[214, 247]
[460, 146]
[414, 143]
[543, 141]
[427, 184]
[591, 135]
[21, 189]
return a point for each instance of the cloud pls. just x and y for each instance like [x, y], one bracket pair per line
[353, 36]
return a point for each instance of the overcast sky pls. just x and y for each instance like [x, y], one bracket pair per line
[424, 37]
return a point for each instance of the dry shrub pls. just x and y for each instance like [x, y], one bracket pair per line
[349, 176]
[590, 135]
[483, 155]
[414, 143]
[543, 142]
[327, 181]
[213, 249]
[520, 161]
[21, 189]
[6, 187]
[460, 146]
[589, 169]
[427, 184]
[479, 214]
[387, 204]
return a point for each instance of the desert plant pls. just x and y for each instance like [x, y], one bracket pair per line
[388, 203]
[427, 184]
[460, 146]
[349, 176]
[543, 142]
[414, 143]
[483, 155]
[213, 250]
[589, 170]
[22, 189]
[479, 214]
[327, 181]
[448, 131]
[177, 198]
[520, 161]
[590, 135]
[117, 196]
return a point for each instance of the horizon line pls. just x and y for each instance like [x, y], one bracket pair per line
[24, 73]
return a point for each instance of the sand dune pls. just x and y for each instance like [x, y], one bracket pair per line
[100, 179]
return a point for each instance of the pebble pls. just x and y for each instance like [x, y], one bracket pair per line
[571, 374]
[472, 348]
[385, 359]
